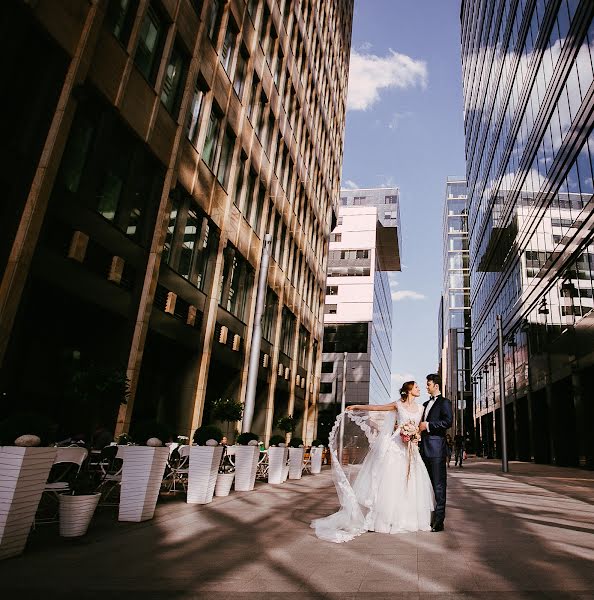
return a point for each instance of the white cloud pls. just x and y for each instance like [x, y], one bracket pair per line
[387, 181]
[369, 74]
[365, 46]
[396, 118]
[399, 378]
[349, 184]
[407, 295]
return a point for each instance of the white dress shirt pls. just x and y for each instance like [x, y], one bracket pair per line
[429, 407]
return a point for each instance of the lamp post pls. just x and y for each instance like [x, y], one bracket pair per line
[254, 359]
[504, 464]
[493, 364]
[342, 406]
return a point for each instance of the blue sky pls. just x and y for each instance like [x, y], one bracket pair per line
[405, 128]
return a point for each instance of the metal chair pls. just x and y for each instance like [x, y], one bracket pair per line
[111, 464]
[262, 470]
[178, 465]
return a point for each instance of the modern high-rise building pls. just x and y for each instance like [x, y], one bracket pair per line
[455, 356]
[147, 148]
[364, 248]
[529, 112]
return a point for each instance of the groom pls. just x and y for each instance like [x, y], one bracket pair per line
[436, 420]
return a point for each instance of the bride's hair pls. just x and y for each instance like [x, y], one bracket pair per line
[407, 386]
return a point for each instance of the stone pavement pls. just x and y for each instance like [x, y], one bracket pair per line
[528, 534]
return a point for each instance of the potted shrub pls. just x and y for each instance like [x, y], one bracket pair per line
[78, 507]
[315, 453]
[287, 423]
[278, 454]
[205, 458]
[142, 474]
[296, 452]
[247, 453]
[227, 410]
[25, 463]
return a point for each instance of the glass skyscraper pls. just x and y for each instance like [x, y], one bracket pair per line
[528, 113]
[455, 357]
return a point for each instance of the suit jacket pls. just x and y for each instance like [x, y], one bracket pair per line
[433, 442]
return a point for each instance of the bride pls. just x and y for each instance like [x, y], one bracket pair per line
[390, 492]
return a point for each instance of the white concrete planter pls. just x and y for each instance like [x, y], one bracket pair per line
[142, 475]
[296, 462]
[202, 476]
[76, 513]
[224, 483]
[316, 460]
[246, 465]
[23, 474]
[277, 461]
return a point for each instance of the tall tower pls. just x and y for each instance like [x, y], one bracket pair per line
[150, 146]
[529, 111]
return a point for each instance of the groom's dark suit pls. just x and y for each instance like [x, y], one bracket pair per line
[433, 449]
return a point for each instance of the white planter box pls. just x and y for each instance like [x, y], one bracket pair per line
[202, 476]
[76, 513]
[142, 475]
[23, 474]
[246, 465]
[277, 461]
[316, 460]
[224, 483]
[296, 462]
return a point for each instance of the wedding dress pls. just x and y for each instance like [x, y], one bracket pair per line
[385, 487]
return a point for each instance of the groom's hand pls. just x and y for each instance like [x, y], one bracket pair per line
[423, 426]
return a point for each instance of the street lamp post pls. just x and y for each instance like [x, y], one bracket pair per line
[254, 360]
[342, 406]
[504, 463]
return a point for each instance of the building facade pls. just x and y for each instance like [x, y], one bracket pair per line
[455, 353]
[150, 146]
[528, 107]
[364, 248]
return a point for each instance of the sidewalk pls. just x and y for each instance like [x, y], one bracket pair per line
[528, 534]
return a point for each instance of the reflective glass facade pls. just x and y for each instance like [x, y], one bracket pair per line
[528, 68]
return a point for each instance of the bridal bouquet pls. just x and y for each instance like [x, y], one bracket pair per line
[409, 432]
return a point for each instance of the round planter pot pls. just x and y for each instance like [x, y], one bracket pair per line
[277, 461]
[246, 465]
[23, 474]
[316, 460]
[296, 462]
[202, 475]
[76, 513]
[224, 483]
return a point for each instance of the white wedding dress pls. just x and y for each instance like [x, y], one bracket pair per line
[381, 494]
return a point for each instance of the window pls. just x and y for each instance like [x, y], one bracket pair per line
[330, 309]
[212, 137]
[150, 44]
[228, 47]
[336, 237]
[225, 157]
[175, 79]
[120, 18]
[327, 367]
[362, 254]
[339, 221]
[359, 200]
[216, 16]
[346, 337]
[240, 71]
[200, 90]
[331, 290]
[325, 387]
[390, 199]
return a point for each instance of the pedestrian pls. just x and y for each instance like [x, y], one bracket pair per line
[449, 445]
[460, 449]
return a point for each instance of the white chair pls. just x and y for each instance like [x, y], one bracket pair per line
[74, 455]
[307, 462]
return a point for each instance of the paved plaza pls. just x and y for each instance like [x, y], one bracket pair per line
[529, 534]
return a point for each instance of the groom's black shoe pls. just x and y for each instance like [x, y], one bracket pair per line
[437, 526]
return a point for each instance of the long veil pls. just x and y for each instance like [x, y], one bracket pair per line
[357, 443]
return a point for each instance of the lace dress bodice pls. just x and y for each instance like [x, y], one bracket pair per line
[407, 415]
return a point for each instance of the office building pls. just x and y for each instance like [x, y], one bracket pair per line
[364, 249]
[148, 147]
[528, 110]
[455, 356]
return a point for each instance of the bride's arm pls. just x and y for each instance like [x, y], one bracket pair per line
[391, 406]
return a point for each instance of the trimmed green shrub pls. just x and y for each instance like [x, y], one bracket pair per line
[207, 432]
[245, 438]
[275, 440]
[296, 442]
